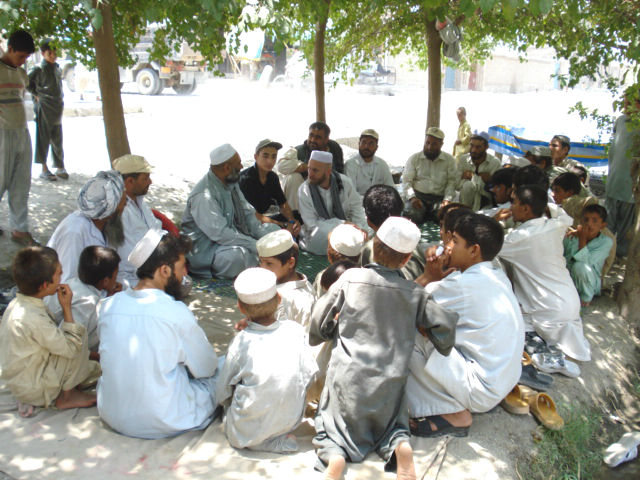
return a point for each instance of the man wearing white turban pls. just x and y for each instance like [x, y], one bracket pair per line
[96, 222]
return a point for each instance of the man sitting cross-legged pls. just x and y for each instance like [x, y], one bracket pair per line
[157, 363]
[485, 362]
[43, 364]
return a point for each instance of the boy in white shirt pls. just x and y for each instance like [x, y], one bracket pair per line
[266, 373]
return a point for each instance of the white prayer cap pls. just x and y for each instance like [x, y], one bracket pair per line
[255, 286]
[101, 195]
[347, 240]
[222, 154]
[145, 247]
[400, 234]
[274, 243]
[322, 157]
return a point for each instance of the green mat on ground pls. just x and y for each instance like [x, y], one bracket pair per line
[308, 264]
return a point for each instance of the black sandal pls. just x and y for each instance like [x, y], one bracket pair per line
[421, 427]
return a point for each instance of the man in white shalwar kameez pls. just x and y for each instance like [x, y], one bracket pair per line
[365, 169]
[485, 363]
[542, 284]
[267, 371]
[137, 217]
[326, 199]
[97, 221]
[220, 222]
[157, 365]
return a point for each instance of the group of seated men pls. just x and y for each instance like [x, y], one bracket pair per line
[429, 333]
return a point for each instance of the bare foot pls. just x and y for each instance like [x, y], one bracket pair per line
[74, 398]
[404, 458]
[25, 409]
[584, 304]
[335, 468]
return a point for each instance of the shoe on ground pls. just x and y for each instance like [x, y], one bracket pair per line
[48, 176]
[555, 363]
[62, 173]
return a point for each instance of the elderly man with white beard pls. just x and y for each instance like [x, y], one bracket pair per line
[98, 221]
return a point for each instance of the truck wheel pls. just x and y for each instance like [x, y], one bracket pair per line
[70, 77]
[185, 88]
[148, 81]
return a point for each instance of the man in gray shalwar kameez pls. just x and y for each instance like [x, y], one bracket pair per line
[371, 314]
[220, 222]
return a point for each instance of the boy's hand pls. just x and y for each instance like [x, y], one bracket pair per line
[583, 234]
[433, 252]
[503, 214]
[294, 228]
[435, 270]
[116, 288]
[65, 295]
[241, 324]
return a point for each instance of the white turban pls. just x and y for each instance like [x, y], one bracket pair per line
[100, 196]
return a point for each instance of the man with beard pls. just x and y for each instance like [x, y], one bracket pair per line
[429, 179]
[137, 217]
[476, 168]
[157, 365]
[98, 221]
[220, 222]
[294, 164]
[365, 169]
[327, 199]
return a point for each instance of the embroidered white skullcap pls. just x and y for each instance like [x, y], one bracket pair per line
[347, 240]
[322, 157]
[400, 234]
[145, 247]
[274, 243]
[100, 196]
[222, 154]
[255, 286]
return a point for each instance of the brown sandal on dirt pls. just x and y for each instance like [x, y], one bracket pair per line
[515, 403]
[544, 409]
[25, 240]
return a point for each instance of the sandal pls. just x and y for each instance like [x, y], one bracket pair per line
[623, 450]
[421, 427]
[544, 409]
[515, 403]
[25, 241]
[48, 175]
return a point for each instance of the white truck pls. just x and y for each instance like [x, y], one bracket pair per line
[183, 72]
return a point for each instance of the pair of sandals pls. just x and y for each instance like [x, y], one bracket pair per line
[523, 400]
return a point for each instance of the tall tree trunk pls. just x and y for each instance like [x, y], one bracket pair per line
[109, 78]
[318, 63]
[434, 59]
[629, 296]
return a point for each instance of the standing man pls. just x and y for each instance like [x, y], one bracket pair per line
[294, 165]
[98, 221]
[137, 217]
[429, 179]
[620, 202]
[220, 222]
[45, 85]
[463, 142]
[476, 169]
[327, 199]
[157, 365]
[261, 187]
[365, 169]
[15, 142]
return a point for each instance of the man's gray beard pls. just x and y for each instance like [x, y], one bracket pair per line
[233, 177]
[113, 231]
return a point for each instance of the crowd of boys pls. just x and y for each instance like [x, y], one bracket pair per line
[430, 334]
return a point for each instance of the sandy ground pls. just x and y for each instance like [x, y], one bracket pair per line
[176, 134]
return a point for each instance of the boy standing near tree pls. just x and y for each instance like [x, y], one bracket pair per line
[45, 85]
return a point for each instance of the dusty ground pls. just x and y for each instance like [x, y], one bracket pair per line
[176, 133]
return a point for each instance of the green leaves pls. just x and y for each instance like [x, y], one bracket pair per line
[487, 5]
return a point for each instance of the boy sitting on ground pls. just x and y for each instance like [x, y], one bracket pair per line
[541, 282]
[485, 363]
[278, 253]
[501, 189]
[586, 250]
[43, 364]
[267, 371]
[565, 189]
[370, 315]
[97, 272]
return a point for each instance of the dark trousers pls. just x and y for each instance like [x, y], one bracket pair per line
[48, 135]
[429, 211]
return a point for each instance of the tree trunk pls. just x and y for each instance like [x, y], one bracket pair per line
[109, 79]
[318, 63]
[629, 296]
[434, 65]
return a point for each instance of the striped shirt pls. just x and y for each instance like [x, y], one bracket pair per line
[13, 82]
